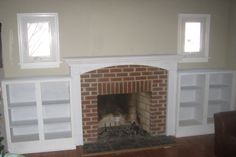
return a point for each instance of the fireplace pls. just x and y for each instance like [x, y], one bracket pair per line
[124, 109]
[124, 79]
[151, 79]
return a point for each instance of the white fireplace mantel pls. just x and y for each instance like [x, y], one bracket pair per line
[90, 63]
[82, 65]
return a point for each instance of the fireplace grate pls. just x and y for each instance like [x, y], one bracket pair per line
[116, 132]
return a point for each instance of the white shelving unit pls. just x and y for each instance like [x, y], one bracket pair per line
[38, 114]
[201, 94]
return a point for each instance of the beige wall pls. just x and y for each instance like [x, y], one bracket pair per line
[232, 37]
[114, 27]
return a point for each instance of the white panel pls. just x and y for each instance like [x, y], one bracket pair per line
[188, 80]
[186, 113]
[53, 111]
[24, 92]
[57, 127]
[24, 113]
[24, 130]
[188, 95]
[215, 93]
[55, 90]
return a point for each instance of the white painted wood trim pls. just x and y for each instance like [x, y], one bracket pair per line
[42, 146]
[6, 114]
[39, 111]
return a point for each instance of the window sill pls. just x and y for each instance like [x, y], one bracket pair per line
[39, 65]
[194, 59]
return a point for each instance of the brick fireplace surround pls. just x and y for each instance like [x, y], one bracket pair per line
[93, 76]
[123, 79]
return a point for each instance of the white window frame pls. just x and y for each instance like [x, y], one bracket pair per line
[203, 54]
[27, 61]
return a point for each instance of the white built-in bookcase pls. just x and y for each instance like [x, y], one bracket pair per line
[38, 114]
[201, 94]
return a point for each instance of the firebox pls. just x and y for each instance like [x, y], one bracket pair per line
[123, 115]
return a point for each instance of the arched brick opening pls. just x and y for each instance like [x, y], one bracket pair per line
[124, 79]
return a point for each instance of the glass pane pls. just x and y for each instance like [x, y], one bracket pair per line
[39, 39]
[192, 41]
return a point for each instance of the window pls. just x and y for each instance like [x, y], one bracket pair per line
[38, 40]
[193, 37]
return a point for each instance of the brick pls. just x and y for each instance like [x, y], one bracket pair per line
[86, 119]
[134, 74]
[128, 69]
[92, 139]
[152, 77]
[85, 102]
[104, 70]
[93, 84]
[128, 79]
[115, 70]
[108, 88]
[86, 127]
[142, 69]
[163, 76]
[121, 74]
[91, 97]
[84, 93]
[117, 87]
[83, 76]
[157, 89]
[96, 75]
[125, 87]
[84, 85]
[109, 75]
[157, 81]
[140, 78]
[147, 73]
[104, 88]
[121, 88]
[152, 69]
[94, 93]
[85, 111]
[91, 106]
[162, 93]
[103, 80]
[90, 80]
[116, 79]
[129, 87]
[91, 89]
[159, 72]
[133, 87]
[87, 135]
[92, 131]
[95, 118]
